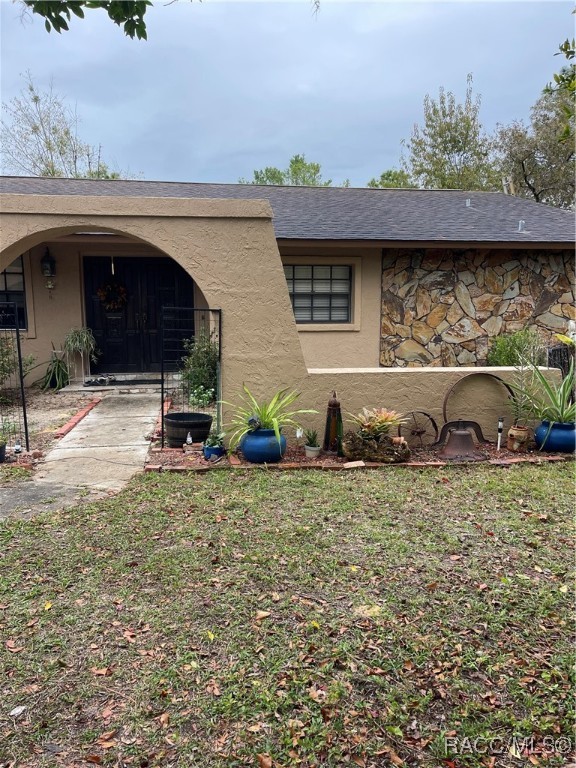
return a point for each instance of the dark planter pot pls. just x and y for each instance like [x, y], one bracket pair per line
[178, 425]
[2, 453]
[262, 447]
[561, 438]
[213, 450]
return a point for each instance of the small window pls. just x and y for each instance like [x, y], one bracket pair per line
[12, 292]
[320, 294]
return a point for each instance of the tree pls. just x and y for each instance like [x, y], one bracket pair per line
[451, 150]
[538, 163]
[299, 173]
[129, 14]
[393, 178]
[40, 138]
[125, 13]
[565, 83]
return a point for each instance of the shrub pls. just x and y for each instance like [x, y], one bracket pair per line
[9, 359]
[515, 348]
[200, 365]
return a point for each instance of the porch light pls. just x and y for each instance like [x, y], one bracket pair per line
[48, 264]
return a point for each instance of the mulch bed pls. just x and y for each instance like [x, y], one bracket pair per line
[191, 458]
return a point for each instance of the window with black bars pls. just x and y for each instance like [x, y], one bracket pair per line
[320, 294]
[12, 292]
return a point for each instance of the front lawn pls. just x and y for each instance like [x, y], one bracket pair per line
[394, 617]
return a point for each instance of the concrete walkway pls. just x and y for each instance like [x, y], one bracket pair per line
[97, 457]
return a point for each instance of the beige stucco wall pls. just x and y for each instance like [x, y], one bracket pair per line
[356, 343]
[229, 248]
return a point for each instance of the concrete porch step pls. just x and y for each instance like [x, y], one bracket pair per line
[118, 383]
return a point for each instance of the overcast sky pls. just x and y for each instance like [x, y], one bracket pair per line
[222, 88]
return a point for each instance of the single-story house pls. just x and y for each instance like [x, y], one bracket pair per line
[321, 280]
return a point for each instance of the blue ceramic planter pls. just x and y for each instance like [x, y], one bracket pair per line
[213, 450]
[261, 446]
[562, 437]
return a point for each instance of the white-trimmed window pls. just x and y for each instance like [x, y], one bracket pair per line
[320, 293]
[12, 292]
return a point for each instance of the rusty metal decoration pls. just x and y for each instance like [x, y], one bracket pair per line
[460, 445]
[418, 429]
[334, 427]
[468, 375]
[461, 424]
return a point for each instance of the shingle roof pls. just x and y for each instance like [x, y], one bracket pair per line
[334, 213]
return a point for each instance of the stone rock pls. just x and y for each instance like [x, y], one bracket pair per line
[403, 331]
[437, 315]
[567, 298]
[431, 260]
[569, 311]
[493, 281]
[357, 448]
[402, 262]
[387, 326]
[422, 332]
[475, 291]
[510, 265]
[493, 326]
[393, 305]
[388, 278]
[481, 350]
[442, 280]
[406, 290]
[480, 277]
[466, 358]
[544, 300]
[441, 327]
[448, 357]
[423, 303]
[519, 309]
[408, 317]
[466, 277]
[556, 263]
[510, 277]
[454, 313]
[486, 302]
[512, 291]
[464, 330]
[464, 299]
[387, 357]
[401, 278]
[412, 350]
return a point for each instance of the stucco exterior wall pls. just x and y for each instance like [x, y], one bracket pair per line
[351, 344]
[441, 307]
[229, 249]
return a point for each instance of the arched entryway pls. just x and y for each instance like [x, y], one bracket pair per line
[123, 300]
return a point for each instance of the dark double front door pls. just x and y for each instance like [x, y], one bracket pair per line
[124, 309]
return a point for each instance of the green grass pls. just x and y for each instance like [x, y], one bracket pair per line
[292, 619]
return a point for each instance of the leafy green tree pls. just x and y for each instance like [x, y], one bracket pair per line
[565, 83]
[299, 173]
[392, 178]
[537, 162]
[128, 14]
[451, 150]
[40, 138]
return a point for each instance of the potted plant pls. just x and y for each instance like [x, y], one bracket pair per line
[214, 445]
[520, 406]
[555, 407]
[257, 425]
[80, 341]
[373, 440]
[7, 429]
[311, 446]
[57, 374]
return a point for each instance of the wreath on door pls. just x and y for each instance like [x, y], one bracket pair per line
[113, 296]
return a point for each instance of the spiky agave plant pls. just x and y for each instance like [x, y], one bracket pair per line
[275, 414]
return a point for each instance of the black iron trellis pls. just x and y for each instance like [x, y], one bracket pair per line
[180, 326]
[13, 417]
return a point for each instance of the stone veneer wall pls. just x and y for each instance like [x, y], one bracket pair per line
[440, 307]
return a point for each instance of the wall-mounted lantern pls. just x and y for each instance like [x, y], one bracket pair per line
[48, 264]
[48, 267]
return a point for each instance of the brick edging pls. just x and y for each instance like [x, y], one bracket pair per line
[71, 423]
[293, 466]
